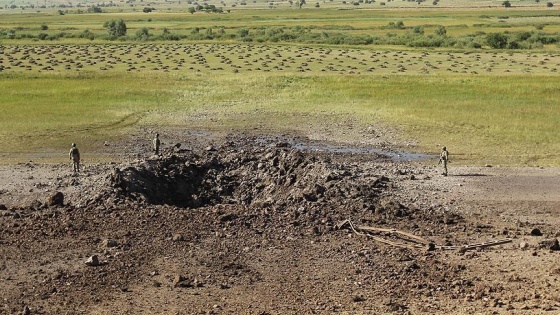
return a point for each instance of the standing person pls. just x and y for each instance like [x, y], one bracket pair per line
[75, 158]
[156, 143]
[444, 158]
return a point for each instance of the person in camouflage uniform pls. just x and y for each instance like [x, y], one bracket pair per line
[75, 158]
[443, 159]
[156, 143]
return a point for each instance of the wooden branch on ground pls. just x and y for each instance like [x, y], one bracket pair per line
[412, 241]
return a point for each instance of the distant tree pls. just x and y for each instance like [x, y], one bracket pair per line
[496, 40]
[243, 32]
[192, 10]
[115, 27]
[440, 30]
[44, 27]
[301, 3]
[400, 24]
[549, 5]
[142, 34]
[418, 30]
[147, 9]
[506, 4]
[94, 9]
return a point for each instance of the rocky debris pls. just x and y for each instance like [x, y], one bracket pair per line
[180, 281]
[178, 237]
[93, 261]
[259, 219]
[536, 232]
[36, 205]
[3, 207]
[551, 244]
[26, 311]
[110, 243]
[269, 178]
[57, 199]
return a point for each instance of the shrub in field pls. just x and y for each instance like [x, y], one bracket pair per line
[496, 40]
[142, 34]
[94, 9]
[506, 4]
[418, 30]
[243, 32]
[44, 27]
[115, 27]
[440, 30]
[87, 34]
[549, 5]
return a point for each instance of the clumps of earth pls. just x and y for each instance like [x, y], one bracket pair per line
[308, 189]
[242, 228]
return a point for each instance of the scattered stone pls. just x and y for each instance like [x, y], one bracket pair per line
[358, 298]
[523, 245]
[227, 217]
[536, 232]
[551, 244]
[180, 281]
[178, 238]
[36, 205]
[93, 261]
[3, 207]
[26, 310]
[110, 243]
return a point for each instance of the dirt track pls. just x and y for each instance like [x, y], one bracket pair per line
[253, 227]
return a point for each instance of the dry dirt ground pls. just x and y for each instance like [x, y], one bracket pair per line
[242, 224]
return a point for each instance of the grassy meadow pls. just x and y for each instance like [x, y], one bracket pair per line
[488, 106]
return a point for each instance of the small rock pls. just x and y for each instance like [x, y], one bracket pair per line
[523, 245]
[178, 238]
[536, 232]
[93, 261]
[26, 310]
[57, 199]
[110, 243]
[227, 217]
[3, 207]
[178, 279]
[358, 298]
[36, 205]
[551, 244]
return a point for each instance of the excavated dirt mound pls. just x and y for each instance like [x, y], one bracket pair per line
[253, 229]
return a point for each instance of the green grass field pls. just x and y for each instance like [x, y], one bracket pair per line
[488, 107]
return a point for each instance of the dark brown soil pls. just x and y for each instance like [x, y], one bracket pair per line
[250, 225]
